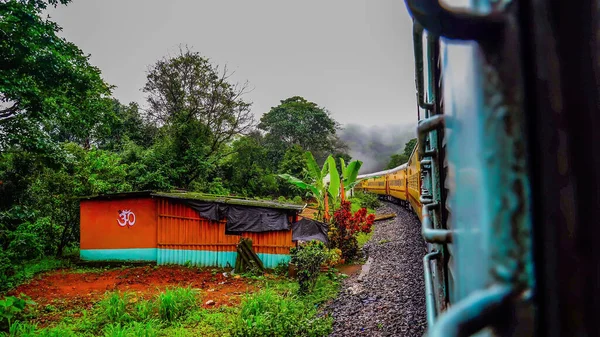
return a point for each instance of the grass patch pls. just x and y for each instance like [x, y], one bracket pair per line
[275, 310]
[363, 238]
[173, 303]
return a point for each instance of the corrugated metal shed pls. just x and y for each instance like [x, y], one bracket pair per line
[157, 226]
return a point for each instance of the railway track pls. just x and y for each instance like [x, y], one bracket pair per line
[390, 300]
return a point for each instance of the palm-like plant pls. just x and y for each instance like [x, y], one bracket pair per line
[349, 175]
[326, 181]
[317, 177]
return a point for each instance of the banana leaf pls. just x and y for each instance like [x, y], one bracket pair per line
[334, 179]
[351, 172]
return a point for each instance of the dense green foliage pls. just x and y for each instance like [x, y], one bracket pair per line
[366, 199]
[297, 121]
[401, 158]
[271, 314]
[62, 136]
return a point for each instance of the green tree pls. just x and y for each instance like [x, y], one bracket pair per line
[198, 111]
[127, 124]
[396, 160]
[409, 147]
[296, 121]
[247, 171]
[401, 158]
[45, 80]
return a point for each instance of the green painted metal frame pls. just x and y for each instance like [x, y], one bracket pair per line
[499, 123]
[430, 302]
[433, 230]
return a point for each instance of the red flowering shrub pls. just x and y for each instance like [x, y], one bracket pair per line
[345, 226]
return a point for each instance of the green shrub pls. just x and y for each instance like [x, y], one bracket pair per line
[308, 258]
[11, 307]
[267, 313]
[174, 303]
[281, 268]
[367, 199]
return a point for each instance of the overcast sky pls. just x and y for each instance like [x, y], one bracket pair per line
[353, 57]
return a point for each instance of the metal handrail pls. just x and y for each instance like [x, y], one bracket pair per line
[473, 313]
[429, 233]
[429, 293]
[418, 51]
[426, 125]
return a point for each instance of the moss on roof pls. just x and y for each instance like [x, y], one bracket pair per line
[201, 197]
[229, 200]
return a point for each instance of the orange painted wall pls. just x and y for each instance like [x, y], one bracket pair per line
[100, 229]
[180, 227]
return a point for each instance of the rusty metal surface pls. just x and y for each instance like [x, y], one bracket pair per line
[488, 165]
[185, 237]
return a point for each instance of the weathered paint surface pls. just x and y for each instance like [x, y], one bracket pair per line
[168, 232]
[100, 228]
[488, 177]
[185, 237]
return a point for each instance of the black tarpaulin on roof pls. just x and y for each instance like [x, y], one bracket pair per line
[307, 230]
[255, 219]
[242, 218]
[209, 210]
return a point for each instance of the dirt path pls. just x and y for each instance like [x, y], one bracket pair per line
[390, 300]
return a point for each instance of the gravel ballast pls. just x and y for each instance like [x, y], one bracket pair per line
[390, 298]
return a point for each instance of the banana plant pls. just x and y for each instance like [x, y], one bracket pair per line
[334, 183]
[349, 175]
[326, 181]
[317, 186]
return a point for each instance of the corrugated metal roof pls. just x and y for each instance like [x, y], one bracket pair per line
[229, 200]
[201, 197]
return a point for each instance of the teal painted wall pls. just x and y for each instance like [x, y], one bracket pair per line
[130, 254]
[201, 258]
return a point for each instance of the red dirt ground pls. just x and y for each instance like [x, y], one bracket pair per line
[69, 290]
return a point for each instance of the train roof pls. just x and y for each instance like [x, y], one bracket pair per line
[382, 173]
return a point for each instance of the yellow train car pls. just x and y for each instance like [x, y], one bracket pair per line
[397, 183]
[413, 174]
[377, 185]
[401, 184]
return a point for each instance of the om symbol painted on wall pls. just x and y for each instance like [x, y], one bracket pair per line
[126, 218]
